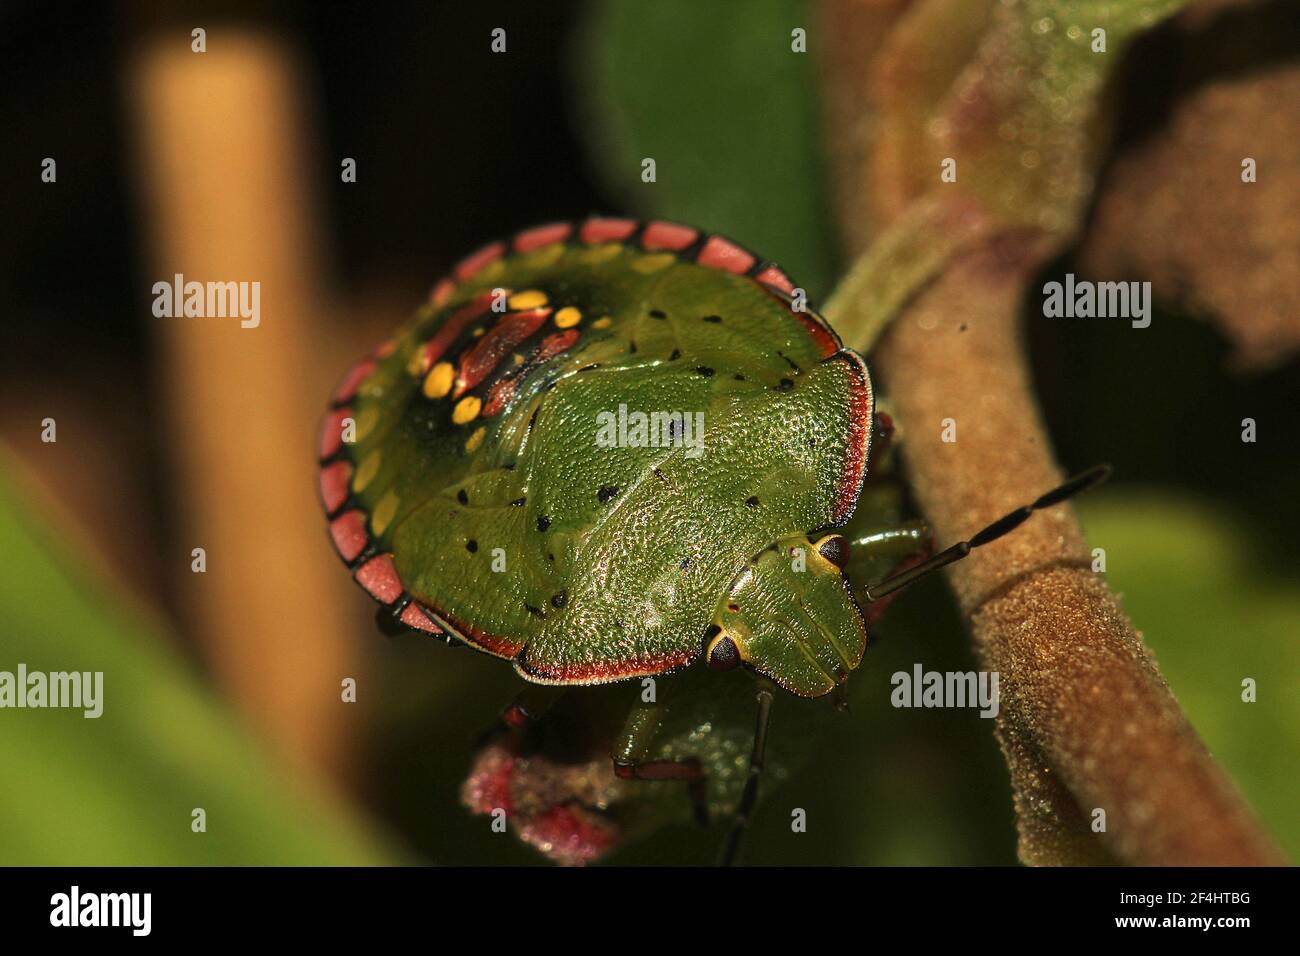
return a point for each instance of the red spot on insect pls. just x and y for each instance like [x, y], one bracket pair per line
[773, 276]
[667, 235]
[415, 617]
[861, 403]
[331, 431]
[471, 264]
[454, 326]
[542, 236]
[503, 338]
[352, 381]
[599, 229]
[334, 482]
[557, 344]
[379, 577]
[498, 397]
[349, 533]
[720, 253]
[500, 394]
[441, 292]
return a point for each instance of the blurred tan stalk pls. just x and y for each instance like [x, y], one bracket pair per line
[225, 175]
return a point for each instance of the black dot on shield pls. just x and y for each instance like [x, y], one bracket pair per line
[657, 314]
[462, 497]
[784, 385]
[543, 522]
[471, 545]
[677, 353]
[606, 492]
[518, 502]
[705, 371]
[560, 599]
[715, 319]
[752, 501]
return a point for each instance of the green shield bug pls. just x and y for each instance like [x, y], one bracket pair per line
[611, 450]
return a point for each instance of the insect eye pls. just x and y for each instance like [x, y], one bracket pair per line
[722, 651]
[835, 549]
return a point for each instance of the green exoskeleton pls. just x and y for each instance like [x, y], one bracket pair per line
[609, 450]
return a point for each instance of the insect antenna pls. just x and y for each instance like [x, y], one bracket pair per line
[757, 758]
[1008, 522]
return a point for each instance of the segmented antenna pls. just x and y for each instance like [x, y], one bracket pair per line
[1079, 483]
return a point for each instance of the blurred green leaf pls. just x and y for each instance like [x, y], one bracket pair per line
[1214, 615]
[119, 789]
[733, 132]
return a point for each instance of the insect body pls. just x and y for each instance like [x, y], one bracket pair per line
[607, 450]
[487, 494]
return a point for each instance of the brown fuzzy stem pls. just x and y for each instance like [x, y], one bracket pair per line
[1087, 722]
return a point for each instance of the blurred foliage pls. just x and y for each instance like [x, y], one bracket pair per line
[715, 95]
[119, 789]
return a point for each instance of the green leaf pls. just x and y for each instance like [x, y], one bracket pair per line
[728, 118]
[120, 789]
[1214, 616]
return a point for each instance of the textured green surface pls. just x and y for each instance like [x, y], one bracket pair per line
[615, 558]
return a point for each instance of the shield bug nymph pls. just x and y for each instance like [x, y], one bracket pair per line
[471, 491]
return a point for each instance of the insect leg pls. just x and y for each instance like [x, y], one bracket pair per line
[631, 757]
[757, 758]
[531, 704]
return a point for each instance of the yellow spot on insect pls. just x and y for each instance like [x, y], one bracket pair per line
[540, 258]
[532, 299]
[384, 512]
[466, 410]
[653, 263]
[601, 253]
[366, 471]
[568, 317]
[491, 271]
[439, 380]
[602, 323]
[518, 359]
[476, 439]
[419, 363]
[366, 422]
[478, 333]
